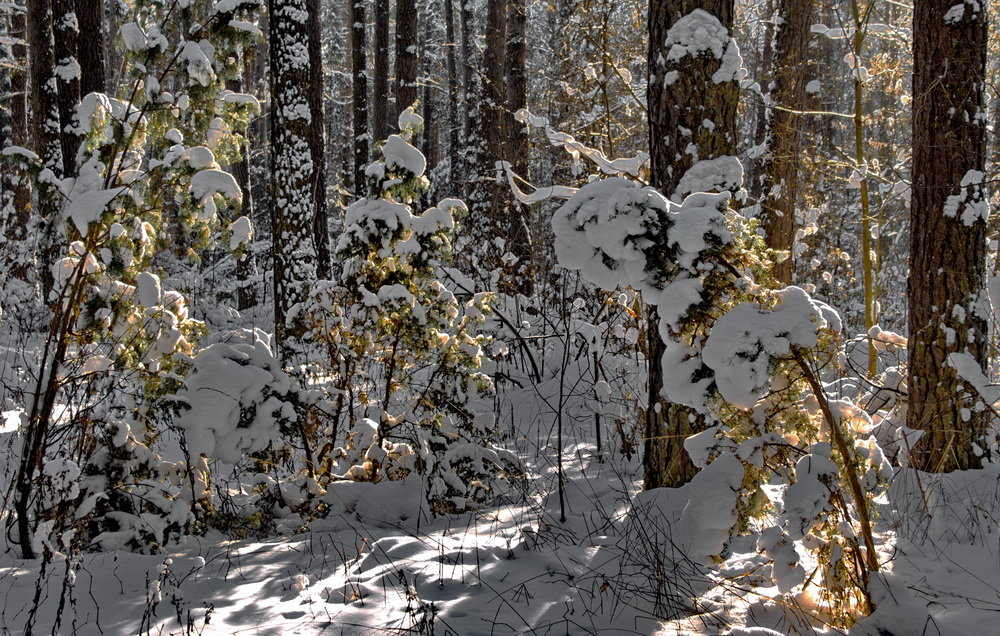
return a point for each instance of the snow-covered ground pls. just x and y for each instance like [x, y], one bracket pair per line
[616, 565]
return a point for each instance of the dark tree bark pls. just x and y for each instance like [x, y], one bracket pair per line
[947, 234]
[44, 108]
[359, 73]
[678, 104]
[15, 190]
[45, 127]
[468, 76]
[431, 146]
[407, 61]
[90, 15]
[292, 173]
[380, 79]
[317, 141]
[454, 127]
[246, 271]
[780, 169]
[517, 85]
[494, 87]
[66, 36]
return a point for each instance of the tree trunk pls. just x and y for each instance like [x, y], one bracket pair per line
[468, 82]
[682, 95]
[780, 169]
[66, 35]
[494, 87]
[517, 85]
[359, 77]
[454, 127]
[90, 15]
[947, 234]
[317, 141]
[431, 142]
[380, 81]
[292, 171]
[407, 61]
[45, 129]
[15, 188]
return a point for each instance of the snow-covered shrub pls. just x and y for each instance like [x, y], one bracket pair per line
[403, 343]
[749, 360]
[119, 340]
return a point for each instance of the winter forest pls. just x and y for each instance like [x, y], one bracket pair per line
[488, 317]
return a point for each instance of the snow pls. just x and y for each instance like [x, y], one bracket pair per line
[694, 34]
[398, 153]
[722, 174]
[240, 232]
[972, 200]
[231, 380]
[710, 512]
[745, 340]
[85, 208]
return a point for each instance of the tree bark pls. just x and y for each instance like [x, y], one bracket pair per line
[454, 127]
[66, 35]
[494, 87]
[44, 108]
[359, 75]
[90, 15]
[380, 79]
[681, 96]
[780, 169]
[947, 234]
[292, 170]
[45, 127]
[407, 61]
[317, 140]
[15, 189]
[517, 85]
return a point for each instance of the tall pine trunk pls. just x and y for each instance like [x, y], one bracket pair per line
[380, 79]
[359, 80]
[67, 71]
[947, 234]
[407, 60]
[681, 97]
[292, 170]
[454, 127]
[317, 140]
[90, 15]
[780, 169]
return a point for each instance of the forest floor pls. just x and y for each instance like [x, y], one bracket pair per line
[612, 564]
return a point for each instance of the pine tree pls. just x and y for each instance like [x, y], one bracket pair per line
[688, 109]
[780, 167]
[292, 168]
[947, 234]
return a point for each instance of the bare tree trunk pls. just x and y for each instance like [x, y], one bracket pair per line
[947, 234]
[494, 87]
[246, 295]
[15, 188]
[292, 171]
[468, 75]
[45, 127]
[407, 61]
[90, 15]
[431, 141]
[380, 87]
[359, 75]
[780, 169]
[454, 126]
[681, 97]
[67, 71]
[317, 141]
[517, 85]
